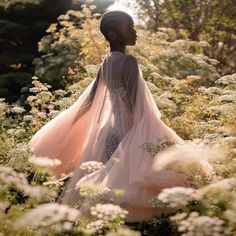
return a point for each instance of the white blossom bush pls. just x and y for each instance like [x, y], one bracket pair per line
[60, 217]
[213, 211]
[201, 225]
[194, 99]
[174, 197]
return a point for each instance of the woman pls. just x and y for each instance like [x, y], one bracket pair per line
[111, 122]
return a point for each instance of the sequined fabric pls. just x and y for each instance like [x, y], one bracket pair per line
[116, 92]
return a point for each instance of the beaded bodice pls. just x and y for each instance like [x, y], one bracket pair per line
[116, 93]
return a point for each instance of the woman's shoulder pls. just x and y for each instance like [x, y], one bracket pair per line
[128, 56]
[129, 60]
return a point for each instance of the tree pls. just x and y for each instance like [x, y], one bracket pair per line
[22, 24]
[213, 21]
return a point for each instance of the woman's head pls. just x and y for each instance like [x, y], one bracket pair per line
[118, 27]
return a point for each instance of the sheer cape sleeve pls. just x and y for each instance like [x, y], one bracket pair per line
[130, 74]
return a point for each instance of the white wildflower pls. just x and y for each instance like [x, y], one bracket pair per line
[54, 113]
[44, 161]
[204, 44]
[174, 197]
[213, 62]
[17, 110]
[49, 214]
[96, 225]
[221, 186]
[27, 117]
[91, 166]
[108, 212]
[92, 7]
[11, 131]
[227, 80]
[91, 190]
[189, 158]
[212, 90]
[225, 109]
[11, 178]
[230, 215]
[62, 227]
[201, 225]
[60, 92]
[228, 98]
[42, 115]
[124, 232]
[46, 95]
[35, 90]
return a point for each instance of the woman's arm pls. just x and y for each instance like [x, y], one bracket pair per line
[130, 74]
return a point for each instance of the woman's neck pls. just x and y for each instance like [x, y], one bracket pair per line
[120, 48]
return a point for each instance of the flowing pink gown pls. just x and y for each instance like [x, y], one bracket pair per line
[113, 117]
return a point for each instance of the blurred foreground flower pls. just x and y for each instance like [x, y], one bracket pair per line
[201, 225]
[173, 197]
[190, 158]
[59, 216]
[8, 177]
[44, 161]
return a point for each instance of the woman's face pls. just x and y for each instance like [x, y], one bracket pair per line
[125, 33]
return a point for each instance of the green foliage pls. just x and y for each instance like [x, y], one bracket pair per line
[193, 98]
[197, 20]
[66, 47]
[22, 24]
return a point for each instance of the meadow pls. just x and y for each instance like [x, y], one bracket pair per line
[194, 98]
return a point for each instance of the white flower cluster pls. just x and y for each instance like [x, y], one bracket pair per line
[35, 90]
[108, 212]
[17, 110]
[60, 92]
[49, 214]
[91, 190]
[9, 177]
[27, 117]
[96, 225]
[91, 166]
[124, 232]
[227, 80]
[54, 113]
[42, 115]
[201, 225]
[173, 197]
[204, 44]
[155, 148]
[44, 161]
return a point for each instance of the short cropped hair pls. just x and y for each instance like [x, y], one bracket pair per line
[110, 20]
